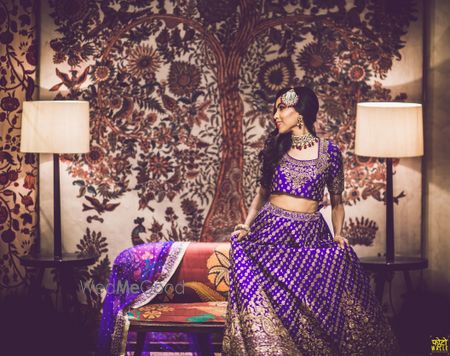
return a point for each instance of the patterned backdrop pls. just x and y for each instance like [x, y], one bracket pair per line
[181, 96]
[18, 60]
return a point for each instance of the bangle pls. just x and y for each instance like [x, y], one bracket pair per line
[340, 236]
[242, 227]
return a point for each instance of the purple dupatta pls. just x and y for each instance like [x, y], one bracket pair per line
[137, 276]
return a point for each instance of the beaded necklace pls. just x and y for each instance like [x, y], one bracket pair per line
[304, 141]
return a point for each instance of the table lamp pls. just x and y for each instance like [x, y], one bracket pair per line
[55, 127]
[389, 130]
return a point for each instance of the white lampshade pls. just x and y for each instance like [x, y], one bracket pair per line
[55, 127]
[389, 129]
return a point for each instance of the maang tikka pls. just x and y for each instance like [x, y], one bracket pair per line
[290, 98]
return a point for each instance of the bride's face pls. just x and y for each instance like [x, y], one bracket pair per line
[285, 117]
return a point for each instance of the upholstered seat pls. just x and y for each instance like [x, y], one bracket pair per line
[180, 313]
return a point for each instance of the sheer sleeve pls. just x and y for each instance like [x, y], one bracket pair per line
[335, 179]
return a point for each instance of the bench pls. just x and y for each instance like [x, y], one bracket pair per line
[194, 301]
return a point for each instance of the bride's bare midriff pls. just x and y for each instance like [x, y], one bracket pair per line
[292, 203]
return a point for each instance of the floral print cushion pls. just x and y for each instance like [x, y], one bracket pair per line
[202, 276]
[210, 312]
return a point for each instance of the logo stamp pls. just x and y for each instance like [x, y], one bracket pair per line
[439, 345]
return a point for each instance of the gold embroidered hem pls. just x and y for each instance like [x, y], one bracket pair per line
[258, 327]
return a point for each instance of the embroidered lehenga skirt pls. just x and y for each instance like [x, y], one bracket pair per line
[294, 291]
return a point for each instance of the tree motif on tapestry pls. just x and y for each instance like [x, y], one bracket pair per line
[182, 91]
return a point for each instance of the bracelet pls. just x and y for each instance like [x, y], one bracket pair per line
[242, 227]
[335, 236]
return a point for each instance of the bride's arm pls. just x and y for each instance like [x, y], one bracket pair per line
[337, 213]
[258, 201]
[337, 218]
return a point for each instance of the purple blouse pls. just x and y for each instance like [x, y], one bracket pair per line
[307, 178]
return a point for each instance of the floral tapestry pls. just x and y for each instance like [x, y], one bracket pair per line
[18, 61]
[181, 96]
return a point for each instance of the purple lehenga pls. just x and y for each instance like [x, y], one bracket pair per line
[293, 290]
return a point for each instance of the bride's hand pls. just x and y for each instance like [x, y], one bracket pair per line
[341, 240]
[239, 234]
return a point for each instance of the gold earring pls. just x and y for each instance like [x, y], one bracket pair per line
[300, 122]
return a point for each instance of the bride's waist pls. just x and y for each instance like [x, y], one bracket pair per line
[293, 203]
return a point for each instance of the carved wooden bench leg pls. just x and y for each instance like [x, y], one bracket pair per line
[202, 342]
[140, 342]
